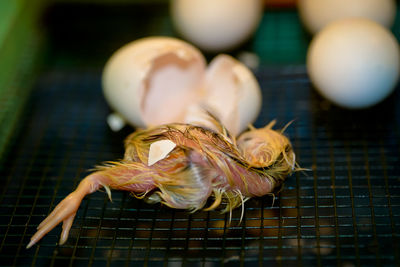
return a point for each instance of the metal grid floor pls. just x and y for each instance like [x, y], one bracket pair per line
[344, 211]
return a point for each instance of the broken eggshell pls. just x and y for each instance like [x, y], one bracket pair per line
[232, 93]
[160, 80]
[146, 80]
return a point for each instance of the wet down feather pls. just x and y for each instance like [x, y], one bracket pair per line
[182, 166]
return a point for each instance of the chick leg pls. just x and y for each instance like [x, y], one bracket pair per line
[65, 211]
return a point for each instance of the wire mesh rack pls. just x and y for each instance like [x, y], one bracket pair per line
[343, 211]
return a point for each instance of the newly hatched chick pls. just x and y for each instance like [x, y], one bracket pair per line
[181, 166]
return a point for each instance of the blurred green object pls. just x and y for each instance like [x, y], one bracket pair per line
[8, 11]
[280, 38]
[19, 46]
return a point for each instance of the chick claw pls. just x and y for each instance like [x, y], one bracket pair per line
[64, 212]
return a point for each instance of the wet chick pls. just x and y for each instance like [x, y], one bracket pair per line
[181, 166]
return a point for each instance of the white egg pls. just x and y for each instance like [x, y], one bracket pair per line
[159, 80]
[216, 25]
[316, 14]
[355, 63]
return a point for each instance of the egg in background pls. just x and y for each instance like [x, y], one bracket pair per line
[216, 25]
[354, 62]
[316, 14]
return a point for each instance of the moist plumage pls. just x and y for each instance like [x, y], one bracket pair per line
[203, 164]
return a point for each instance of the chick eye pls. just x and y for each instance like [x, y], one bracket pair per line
[287, 148]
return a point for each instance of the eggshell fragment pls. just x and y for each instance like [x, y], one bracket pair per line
[316, 14]
[355, 63]
[232, 93]
[115, 122]
[159, 150]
